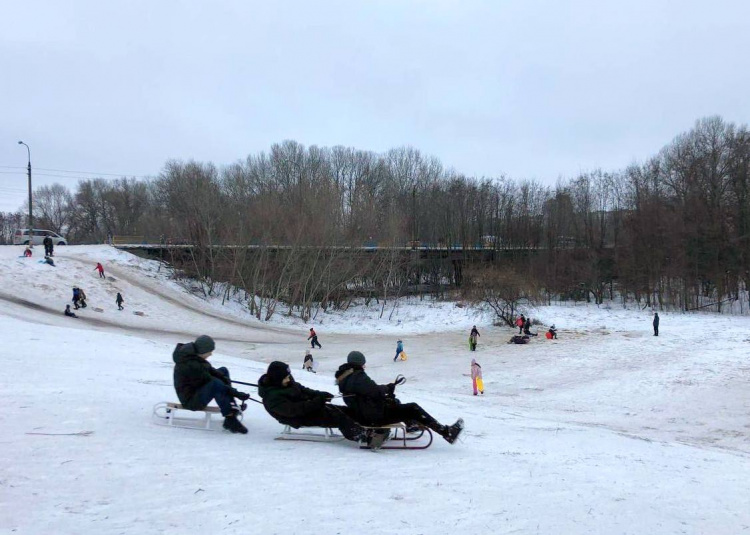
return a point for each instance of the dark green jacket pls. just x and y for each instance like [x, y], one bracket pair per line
[191, 372]
[362, 395]
[290, 404]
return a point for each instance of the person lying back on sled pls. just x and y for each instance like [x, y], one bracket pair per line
[292, 404]
[197, 382]
[372, 404]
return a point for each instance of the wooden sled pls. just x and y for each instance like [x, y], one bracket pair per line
[406, 441]
[173, 414]
[307, 435]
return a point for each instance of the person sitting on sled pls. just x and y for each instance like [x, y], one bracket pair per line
[552, 333]
[292, 404]
[307, 364]
[69, 312]
[197, 382]
[372, 404]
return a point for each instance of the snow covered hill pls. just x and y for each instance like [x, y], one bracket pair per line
[606, 430]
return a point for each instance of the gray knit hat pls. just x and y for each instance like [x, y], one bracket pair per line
[204, 344]
[356, 358]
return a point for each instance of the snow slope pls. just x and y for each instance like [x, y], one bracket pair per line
[606, 430]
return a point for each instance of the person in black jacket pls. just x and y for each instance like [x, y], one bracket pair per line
[293, 404]
[197, 382]
[656, 324]
[48, 246]
[373, 404]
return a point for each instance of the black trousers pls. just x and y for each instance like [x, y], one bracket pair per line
[334, 416]
[409, 413]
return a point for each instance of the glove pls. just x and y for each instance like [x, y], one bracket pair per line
[327, 396]
[239, 395]
[391, 389]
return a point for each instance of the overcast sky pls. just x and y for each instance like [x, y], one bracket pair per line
[530, 89]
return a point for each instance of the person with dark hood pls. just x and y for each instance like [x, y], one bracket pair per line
[119, 300]
[69, 312]
[197, 382]
[292, 404]
[372, 404]
[656, 324]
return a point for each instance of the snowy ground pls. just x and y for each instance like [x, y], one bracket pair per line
[606, 430]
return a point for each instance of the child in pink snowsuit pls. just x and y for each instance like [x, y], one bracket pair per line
[476, 377]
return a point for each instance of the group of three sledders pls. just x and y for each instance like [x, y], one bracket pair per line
[368, 404]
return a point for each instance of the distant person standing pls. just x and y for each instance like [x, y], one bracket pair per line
[476, 377]
[399, 350]
[520, 322]
[656, 324]
[48, 246]
[314, 339]
[473, 338]
[119, 300]
[100, 268]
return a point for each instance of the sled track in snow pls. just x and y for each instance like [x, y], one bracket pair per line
[157, 291]
[85, 320]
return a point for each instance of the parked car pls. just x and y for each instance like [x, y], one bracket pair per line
[21, 237]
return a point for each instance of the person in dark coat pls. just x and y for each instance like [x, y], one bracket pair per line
[656, 324]
[119, 300]
[197, 382]
[473, 338]
[293, 404]
[76, 297]
[48, 246]
[69, 312]
[527, 328]
[372, 404]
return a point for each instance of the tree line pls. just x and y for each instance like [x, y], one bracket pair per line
[673, 231]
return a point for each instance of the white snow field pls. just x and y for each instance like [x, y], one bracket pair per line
[606, 430]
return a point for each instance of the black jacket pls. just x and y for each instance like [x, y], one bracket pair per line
[47, 241]
[290, 404]
[369, 400]
[656, 320]
[191, 372]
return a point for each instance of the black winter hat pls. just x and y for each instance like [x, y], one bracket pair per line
[204, 344]
[356, 358]
[277, 371]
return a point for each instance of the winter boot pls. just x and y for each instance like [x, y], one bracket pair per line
[378, 438]
[451, 433]
[232, 424]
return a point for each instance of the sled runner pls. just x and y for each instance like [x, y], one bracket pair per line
[173, 414]
[307, 435]
[401, 439]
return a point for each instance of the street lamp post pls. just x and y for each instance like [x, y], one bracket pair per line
[31, 216]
